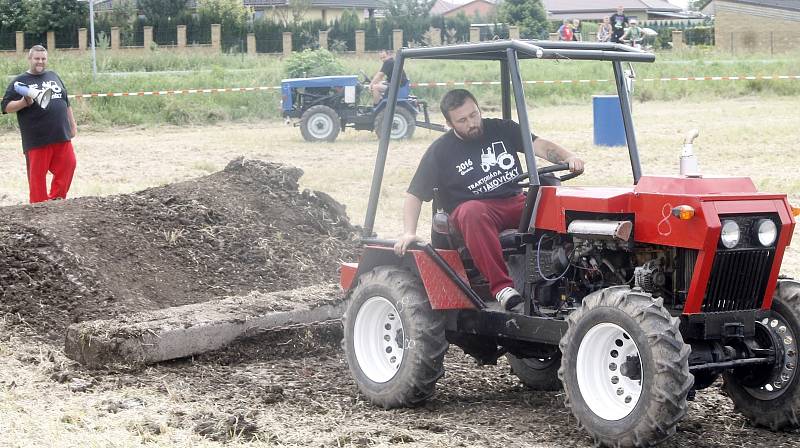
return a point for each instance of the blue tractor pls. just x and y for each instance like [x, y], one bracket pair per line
[327, 105]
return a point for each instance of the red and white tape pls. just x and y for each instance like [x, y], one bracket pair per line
[444, 84]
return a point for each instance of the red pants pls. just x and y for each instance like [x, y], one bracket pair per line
[57, 158]
[480, 222]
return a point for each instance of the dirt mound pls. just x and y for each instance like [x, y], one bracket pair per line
[242, 229]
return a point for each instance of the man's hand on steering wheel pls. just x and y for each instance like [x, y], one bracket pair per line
[576, 164]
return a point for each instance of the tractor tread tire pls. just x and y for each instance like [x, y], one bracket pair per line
[424, 334]
[783, 411]
[658, 417]
[399, 110]
[313, 110]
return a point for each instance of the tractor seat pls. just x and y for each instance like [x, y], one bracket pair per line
[452, 239]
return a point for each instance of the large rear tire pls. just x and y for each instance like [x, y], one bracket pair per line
[320, 123]
[625, 368]
[770, 396]
[403, 125]
[394, 342]
[537, 373]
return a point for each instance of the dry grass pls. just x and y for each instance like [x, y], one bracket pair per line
[748, 136]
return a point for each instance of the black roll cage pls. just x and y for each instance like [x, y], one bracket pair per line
[508, 53]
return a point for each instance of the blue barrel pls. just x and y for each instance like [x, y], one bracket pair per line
[609, 129]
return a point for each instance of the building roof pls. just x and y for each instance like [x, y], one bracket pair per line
[597, 9]
[442, 7]
[608, 5]
[790, 5]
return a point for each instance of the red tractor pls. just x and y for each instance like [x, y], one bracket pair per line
[645, 294]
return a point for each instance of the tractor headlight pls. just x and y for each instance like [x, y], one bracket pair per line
[730, 234]
[767, 232]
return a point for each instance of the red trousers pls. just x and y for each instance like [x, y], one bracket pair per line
[57, 158]
[480, 222]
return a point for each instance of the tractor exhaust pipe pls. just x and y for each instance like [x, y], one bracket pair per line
[689, 165]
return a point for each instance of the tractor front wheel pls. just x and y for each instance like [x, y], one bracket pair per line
[770, 396]
[625, 368]
[320, 123]
[394, 342]
[403, 124]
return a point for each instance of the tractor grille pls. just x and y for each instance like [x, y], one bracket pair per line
[738, 279]
[684, 271]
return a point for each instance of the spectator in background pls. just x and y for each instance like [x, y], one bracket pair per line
[46, 133]
[618, 24]
[565, 31]
[633, 35]
[576, 30]
[604, 31]
[381, 79]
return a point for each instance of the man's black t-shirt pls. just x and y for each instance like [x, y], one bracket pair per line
[388, 67]
[40, 127]
[463, 170]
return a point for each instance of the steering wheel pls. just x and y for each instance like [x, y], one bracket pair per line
[367, 79]
[551, 169]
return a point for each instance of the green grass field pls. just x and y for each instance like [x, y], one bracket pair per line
[164, 70]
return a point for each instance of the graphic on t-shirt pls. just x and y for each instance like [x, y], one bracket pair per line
[489, 157]
[52, 85]
[464, 167]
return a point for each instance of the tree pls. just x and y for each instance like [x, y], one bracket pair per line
[12, 15]
[231, 13]
[529, 15]
[161, 9]
[413, 8]
[41, 16]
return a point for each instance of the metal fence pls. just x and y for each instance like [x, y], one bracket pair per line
[32, 39]
[8, 39]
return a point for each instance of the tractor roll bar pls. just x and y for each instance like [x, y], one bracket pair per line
[508, 53]
[527, 143]
[627, 121]
[527, 49]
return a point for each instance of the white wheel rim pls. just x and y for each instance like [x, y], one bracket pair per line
[378, 339]
[399, 126]
[320, 125]
[606, 391]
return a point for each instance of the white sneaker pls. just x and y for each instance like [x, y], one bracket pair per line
[509, 298]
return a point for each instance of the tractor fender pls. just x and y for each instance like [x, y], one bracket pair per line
[442, 292]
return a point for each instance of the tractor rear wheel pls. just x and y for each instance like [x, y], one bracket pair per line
[394, 342]
[625, 368]
[537, 373]
[320, 123]
[770, 396]
[403, 125]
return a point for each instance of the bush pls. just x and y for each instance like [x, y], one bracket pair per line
[310, 63]
[700, 35]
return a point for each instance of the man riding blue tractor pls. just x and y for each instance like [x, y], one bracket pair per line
[327, 105]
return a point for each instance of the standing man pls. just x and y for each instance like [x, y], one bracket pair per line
[618, 23]
[46, 133]
[380, 82]
[473, 166]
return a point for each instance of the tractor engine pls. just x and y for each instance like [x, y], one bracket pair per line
[563, 269]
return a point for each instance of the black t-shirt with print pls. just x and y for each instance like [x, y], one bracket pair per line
[618, 22]
[40, 127]
[388, 67]
[471, 169]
